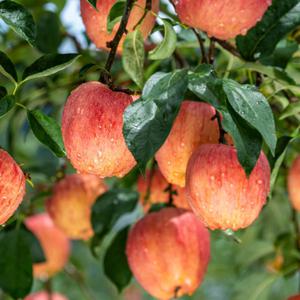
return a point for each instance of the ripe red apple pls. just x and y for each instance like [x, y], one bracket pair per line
[168, 252]
[193, 127]
[54, 242]
[158, 193]
[71, 202]
[294, 183]
[223, 19]
[92, 125]
[219, 191]
[295, 297]
[43, 295]
[12, 186]
[95, 21]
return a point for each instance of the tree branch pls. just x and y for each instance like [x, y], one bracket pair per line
[230, 48]
[202, 48]
[217, 116]
[113, 45]
[148, 8]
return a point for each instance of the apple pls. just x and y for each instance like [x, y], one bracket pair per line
[219, 18]
[293, 181]
[92, 125]
[12, 186]
[43, 295]
[95, 20]
[54, 242]
[71, 202]
[192, 127]
[168, 252]
[220, 193]
[158, 193]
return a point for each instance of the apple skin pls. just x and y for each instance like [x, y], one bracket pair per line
[92, 125]
[12, 186]
[43, 295]
[295, 297]
[158, 193]
[293, 181]
[222, 19]
[54, 242]
[193, 127]
[71, 202]
[95, 21]
[219, 191]
[168, 252]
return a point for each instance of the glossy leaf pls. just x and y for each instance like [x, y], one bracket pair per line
[116, 267]
[115, 14]
[47, 65]
[148, 121]
[253, 107]
[280, 19]
[47, 131]
[167, 46]
[15, 264]
[7, 67]
[19, 19]
[6, 104]
[109, 207]
[133, 56]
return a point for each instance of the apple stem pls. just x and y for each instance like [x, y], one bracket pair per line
[230, 48]
[222, 139]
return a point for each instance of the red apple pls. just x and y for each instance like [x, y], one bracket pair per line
[158, 193]
[219, 191]
[193, 127]
[12, 186]
[295, 297]
[43, 295]
[95, 20]
[294, 183]
[222, 19]
[71, 202]
[54, 242]
[168, 252]
[92, 125]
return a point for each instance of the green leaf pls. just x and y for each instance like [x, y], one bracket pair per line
[109, 207]
[247, 140]
[15, 264]
[6, 104]
[253, 107]
[36, 249]
[115, 14]
[166, 48]
[277, 160]
[47, 131]
[19, 19]
[281, 55]
[254, 286]
[133, 56]
[48, 22]
[198, 84]
[280, 19]
[3, 91]
[47, 65]
[7, 68]
[116, 266]
[291, 110]
[148, 121]
[93, 3]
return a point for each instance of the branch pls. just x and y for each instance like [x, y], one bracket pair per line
[148, 7]
[230, 48]
[202, 48]
[113, 45]
[211, 52]
[217, 116]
